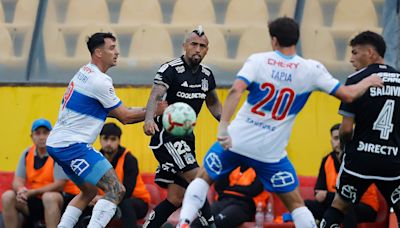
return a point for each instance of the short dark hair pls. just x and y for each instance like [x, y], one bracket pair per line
[97, 40]
[370, 38]
[286, 30]
[111, 129]
[335, 127]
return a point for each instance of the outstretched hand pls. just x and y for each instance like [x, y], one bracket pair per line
[150, 127]
[374, 80]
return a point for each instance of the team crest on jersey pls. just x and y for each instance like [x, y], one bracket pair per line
[180, 69]
[204, 85]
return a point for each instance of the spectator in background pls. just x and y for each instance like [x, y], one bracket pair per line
[325, 188]
[135, 203]
[238, 194]
[37, 184]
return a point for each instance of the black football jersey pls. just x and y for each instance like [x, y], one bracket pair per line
[376, 138]
[183, 85]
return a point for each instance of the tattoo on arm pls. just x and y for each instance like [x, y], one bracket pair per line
[157, 94]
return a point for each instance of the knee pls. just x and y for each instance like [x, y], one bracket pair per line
[52, 198]
[8, 197]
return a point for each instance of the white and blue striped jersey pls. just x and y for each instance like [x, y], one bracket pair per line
[279, 87]
[89, 98]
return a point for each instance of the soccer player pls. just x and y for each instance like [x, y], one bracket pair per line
[182, 79]
[279, 83]
[369, 132]
[88, 100]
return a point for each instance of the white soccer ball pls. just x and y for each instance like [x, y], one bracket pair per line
[179, 119]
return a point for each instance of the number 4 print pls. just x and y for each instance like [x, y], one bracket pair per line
[278, 102]
[384, 121]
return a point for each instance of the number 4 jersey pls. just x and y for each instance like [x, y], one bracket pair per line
[373, 151]
[278, 86]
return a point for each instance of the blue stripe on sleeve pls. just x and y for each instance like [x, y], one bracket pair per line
[244, 79]
[335, 89]
[115, 106]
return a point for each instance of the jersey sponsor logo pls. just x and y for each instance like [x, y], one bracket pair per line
[282, 64]
[213, 163]
[282, 179]
[204, 85]
[189, 158]
[349, 192]
[377, 148]
[260, 124]
[387, 90]
[184, 84]
[281, 76]
[87, 69]
[79, 166]
[163, 68]
[389, 77]
[82, 77]
[191, 95]
[180, 69]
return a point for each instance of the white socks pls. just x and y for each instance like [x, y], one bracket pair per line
[194, 199]
[103, 212]
[302, 217]
[70, 217]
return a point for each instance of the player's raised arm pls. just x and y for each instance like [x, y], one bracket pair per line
[349, 93]
[156, 96]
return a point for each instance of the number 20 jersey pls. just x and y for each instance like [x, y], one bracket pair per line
[373, 151]
[278, 86]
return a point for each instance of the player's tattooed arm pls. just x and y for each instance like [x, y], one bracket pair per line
[114, 190]
[213, 104]
[156, 96]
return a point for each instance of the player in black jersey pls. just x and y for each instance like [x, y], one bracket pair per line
[183, 79]
[371, 149]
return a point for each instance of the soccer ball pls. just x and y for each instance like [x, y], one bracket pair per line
[179, 119]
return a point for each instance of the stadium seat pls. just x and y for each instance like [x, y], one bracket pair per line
[288, 8]
[246, 12]
[312, 14]
[317, 43]
[149, 46]
[253, 40]
[81, 52]
[82, 13]
[345, 16]
[137, 12]
[193, 12]
[25, 13]
[217, 45]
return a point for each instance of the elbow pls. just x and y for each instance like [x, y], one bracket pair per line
[348, 98]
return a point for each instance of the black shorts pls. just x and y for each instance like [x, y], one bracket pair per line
[36, 209]
[351, 188]
[174, 155]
